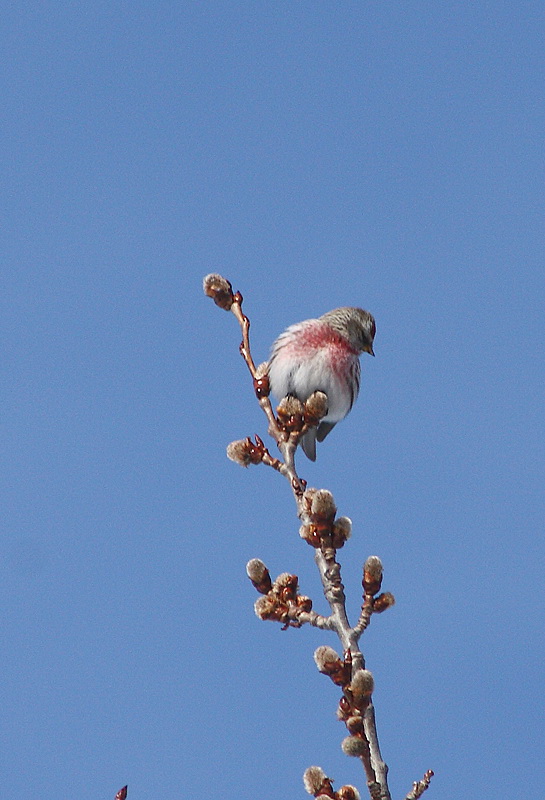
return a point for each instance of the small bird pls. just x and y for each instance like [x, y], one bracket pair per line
[322, 355]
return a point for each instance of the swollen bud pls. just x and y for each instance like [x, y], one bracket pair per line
[259, 575]
[314, 778]
[317, 405]
[362, 685]
[382, 602]
[326, 658]
[219, 289]
[323, 504]
[372, 575]
[244, 452]
[342, 529]
[353, 746]
[348, 793]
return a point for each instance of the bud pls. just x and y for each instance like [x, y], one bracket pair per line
[362, 684]
[259, 575]
[317, 404]
[354, 746]
[314, 778]
[382, 602]
[348, 793]
[219, 289]
[309, 534]
[262, 370]
[323, 504]
[326, 658]
[290, 405]
[261, 381]
[342, 529]
[244, 452]
[354, 724]
[372, 575]
[286, 580]
[290, 413]
[304, 603]
[265, 607]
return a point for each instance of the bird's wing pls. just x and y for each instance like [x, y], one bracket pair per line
[308, 443]
[323, 429]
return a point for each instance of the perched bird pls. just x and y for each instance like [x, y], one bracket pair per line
[322, 355]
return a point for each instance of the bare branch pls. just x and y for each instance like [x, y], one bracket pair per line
[419, 787]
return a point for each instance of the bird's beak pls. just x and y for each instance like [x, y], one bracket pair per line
[370, 350]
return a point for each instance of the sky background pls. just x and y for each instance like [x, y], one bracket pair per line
[386, 155]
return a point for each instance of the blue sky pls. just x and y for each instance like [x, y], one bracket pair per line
[385, 155]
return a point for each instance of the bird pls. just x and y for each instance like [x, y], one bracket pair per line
[322, 355]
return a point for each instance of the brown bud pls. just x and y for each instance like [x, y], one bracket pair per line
[348, 793]
[286, 581]
[353, 746]
[382, 602]
[266, 607]
[342, 529]
[323, 504]
[314, 778]
[259, 575]
[310, 535]
[304, 603]
[244, 452]
[362, 684]
[290, 405]
[354, 724]
[316, 406]
[344, 710]
[372, 575]
[327, 660]
[219, 289]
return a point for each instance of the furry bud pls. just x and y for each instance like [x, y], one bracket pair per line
[362, 684]
[219, 289]
[348, 793]
[323, 504]
[314, 778]
[342, 530]
[353, 746]
[316, 405]
[372, 575]
[265, 607]
[289, 406]
[259, 575]
[354, 724]
[325, 657]
[382, 602]
[244, 452]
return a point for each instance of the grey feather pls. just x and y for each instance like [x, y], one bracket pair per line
[323, 429]
[308, 443]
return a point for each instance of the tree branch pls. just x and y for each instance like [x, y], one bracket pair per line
[280, 600]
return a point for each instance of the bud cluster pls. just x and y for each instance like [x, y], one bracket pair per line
[357, 690]
[372, 581]
[297, 417]
[321, 787]
[323, 530]
[281, 601]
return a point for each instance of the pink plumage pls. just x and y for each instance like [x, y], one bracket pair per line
[322, 355]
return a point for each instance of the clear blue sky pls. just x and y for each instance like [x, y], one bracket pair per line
[387, 155]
